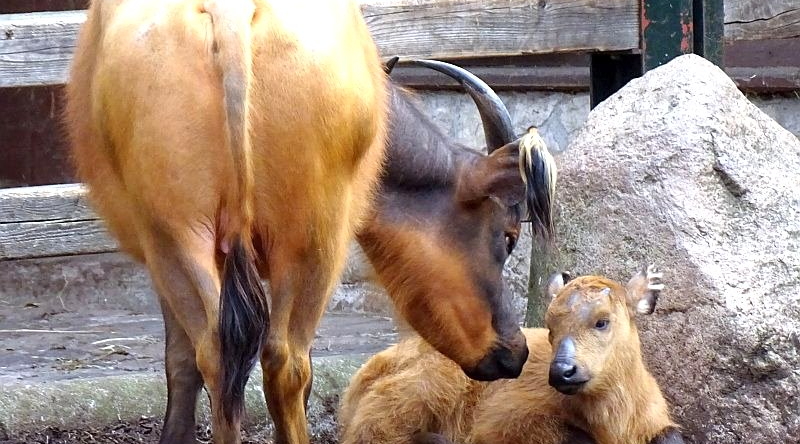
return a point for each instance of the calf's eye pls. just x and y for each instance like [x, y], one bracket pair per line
[601, 324]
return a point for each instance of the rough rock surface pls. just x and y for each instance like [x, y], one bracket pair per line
[680, 168]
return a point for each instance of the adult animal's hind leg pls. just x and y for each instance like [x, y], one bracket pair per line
[187, 279]
[184, 382]
[299, 293]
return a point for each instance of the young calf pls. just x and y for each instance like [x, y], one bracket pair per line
[584, 381]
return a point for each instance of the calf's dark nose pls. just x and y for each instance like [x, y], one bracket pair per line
[562, 372]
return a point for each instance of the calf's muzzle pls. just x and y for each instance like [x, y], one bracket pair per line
[565, 374]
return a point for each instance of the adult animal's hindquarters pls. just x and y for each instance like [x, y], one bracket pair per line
[229, 135]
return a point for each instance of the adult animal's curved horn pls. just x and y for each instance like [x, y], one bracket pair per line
[389, 65]
[497, 127]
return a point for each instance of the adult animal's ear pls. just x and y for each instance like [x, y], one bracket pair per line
[521, 172]
[643, 290]
[494, 176]
[556, 282]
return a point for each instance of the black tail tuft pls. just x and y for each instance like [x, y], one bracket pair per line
[243, 321]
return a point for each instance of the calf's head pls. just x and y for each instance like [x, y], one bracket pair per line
[445, 221]
[592, 328]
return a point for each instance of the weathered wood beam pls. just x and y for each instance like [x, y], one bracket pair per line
[762, 20]
[764, 65]
[562, 72]
[36, 48]
[53, 238]
[47, 203]
[47, 221]
[471, 28]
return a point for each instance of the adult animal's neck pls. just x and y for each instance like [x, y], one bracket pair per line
[418, 154]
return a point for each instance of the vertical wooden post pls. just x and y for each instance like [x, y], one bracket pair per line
[709, 30]
[667, 29]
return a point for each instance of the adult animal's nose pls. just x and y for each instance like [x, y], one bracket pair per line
[503, 361]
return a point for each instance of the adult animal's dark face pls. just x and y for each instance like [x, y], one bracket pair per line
[445, 222]
[443, 267]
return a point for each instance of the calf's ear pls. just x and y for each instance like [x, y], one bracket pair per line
[556, 282]
[643, 290]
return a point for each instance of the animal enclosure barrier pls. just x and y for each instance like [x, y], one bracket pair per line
[502, 42]
[36, 49]
[497, 40]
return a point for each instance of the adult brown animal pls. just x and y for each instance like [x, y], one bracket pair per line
[227, 140]
[599, 389]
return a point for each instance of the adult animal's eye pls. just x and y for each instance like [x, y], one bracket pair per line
[511, 242]
[601, 324]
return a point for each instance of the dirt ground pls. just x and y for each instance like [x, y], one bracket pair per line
[42, 345]
[144, 431]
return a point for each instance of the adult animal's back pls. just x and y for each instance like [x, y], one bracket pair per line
[216, 137]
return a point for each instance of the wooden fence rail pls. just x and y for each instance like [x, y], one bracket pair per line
[762, 19]
[36, 48]
[52, 220]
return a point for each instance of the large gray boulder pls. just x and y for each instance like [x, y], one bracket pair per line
[680, 168]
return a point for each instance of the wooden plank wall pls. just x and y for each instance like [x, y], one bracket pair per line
[762, 19]
[35, 49]
[49, 221]
[762, 44]
[762, 55]
[32, 149]
[475, 28]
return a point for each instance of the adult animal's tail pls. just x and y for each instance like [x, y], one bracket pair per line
[243, 313]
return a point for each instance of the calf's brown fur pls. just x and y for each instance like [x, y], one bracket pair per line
[225, 141]
[409, 393]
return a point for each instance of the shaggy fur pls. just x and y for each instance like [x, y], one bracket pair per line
[411, 393]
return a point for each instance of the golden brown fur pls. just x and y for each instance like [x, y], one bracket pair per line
[412, 388]
[186, 149]
[227, 140]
